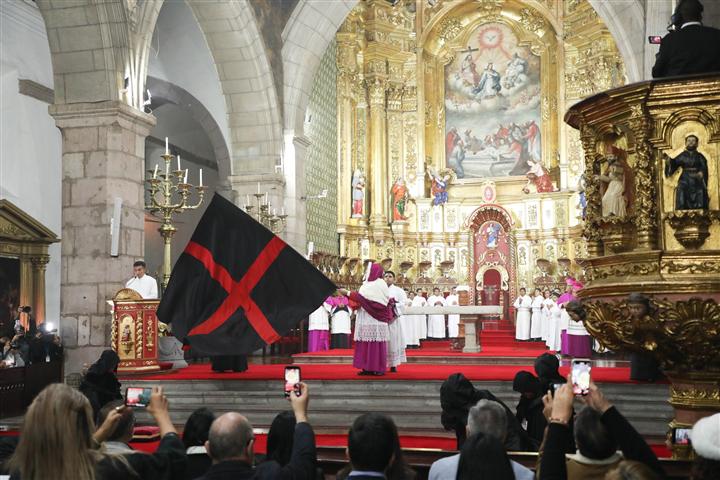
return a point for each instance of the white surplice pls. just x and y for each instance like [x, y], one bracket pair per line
[553, 334]
[522, 323]
[536, 319]
[547, 305]
[436, 322]
[420, 319]
[396, 342]
[453, 318]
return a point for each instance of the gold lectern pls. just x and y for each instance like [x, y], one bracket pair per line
[134, 333]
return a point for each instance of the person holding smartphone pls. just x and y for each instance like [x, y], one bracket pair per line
[599, 429]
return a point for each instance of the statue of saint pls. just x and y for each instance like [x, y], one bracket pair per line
[613, 202]
[400, 196]
[358, 193]
[691, 192]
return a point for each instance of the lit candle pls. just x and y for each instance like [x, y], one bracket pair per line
[201, 177]
[155, 172]
[185, 179]
[258, 185]
[247, 199]
[167, 149]
[274, 212]
[266, 201]
[282, 211]
[179, 162]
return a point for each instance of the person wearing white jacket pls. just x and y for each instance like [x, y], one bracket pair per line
[522, 305]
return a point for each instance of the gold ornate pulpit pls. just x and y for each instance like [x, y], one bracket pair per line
[135, 332]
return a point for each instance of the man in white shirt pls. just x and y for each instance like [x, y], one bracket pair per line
[436, 322]
[144, 284]
[489, 418]
[396, 343]
[523, 304]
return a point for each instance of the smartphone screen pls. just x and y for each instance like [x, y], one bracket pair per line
[292, 378]
[681, 436]
[581, 376]
[137, 396]
[655, 39]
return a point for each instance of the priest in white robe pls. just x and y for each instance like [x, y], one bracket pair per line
[436, 322]
[536, 318]
[420, 320]
[142, 283]
[396, 342]
[453, 318]
[410, 327]
[522, 305]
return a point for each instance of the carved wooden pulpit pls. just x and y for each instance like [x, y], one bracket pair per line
[135, 332]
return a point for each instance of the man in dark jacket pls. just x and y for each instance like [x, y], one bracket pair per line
[691, 47]
[231, 446]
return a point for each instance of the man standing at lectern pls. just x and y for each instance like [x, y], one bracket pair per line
[144, 284]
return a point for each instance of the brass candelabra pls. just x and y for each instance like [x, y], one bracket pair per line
[265, 214]
[175, 191]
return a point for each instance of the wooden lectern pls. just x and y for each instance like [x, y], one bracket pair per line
[135, 332]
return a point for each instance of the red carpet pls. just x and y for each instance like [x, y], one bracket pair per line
[347, 372]
[437, 351]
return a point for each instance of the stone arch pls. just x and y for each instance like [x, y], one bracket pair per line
[308, 33]
[254, 112]
[626, 22]
[95, 46]
[166, 92]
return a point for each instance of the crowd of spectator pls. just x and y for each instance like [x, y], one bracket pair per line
[597, 442]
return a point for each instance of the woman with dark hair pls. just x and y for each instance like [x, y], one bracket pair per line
[195, 434]
[547, 369]
[483, 457]
[529, 410]
[280, 438]
[398, 468]
[100, 385]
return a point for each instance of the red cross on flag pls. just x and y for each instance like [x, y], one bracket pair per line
[237, 286]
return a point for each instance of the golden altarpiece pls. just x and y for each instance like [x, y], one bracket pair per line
[416, 80]
[24, 246]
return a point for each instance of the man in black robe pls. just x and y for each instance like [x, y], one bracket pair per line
[691, 192]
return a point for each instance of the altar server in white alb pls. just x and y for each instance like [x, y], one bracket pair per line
[436, 322]
[410, 327]
[536, 318]
[144, 284]
[396, 343]
[420, 320]
[340, 326]
[554, 323]
[319, 328]
[547, 305]
[453, 300]
[522, 305]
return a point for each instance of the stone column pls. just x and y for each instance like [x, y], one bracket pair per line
[295, 207]
[103, 159]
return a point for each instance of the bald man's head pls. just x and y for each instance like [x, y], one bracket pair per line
[230, 438]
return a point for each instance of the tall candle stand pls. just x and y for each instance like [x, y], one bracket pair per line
[265, 214]
[175, 192]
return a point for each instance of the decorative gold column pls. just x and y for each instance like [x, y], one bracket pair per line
[593, 211]
[39, 264]
[378, 149]
[644, 178]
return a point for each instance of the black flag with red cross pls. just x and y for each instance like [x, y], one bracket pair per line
[237, 286]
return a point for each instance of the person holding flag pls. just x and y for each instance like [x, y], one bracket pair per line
[237, 287]
[375, 309]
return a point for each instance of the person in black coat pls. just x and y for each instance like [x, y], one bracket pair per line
[691, 48]
[195, 434]
[547, 369]
[529, 410]
[458, 396]
[100, 384]
[231, 446]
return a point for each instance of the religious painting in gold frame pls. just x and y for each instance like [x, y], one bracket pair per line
[447, 42]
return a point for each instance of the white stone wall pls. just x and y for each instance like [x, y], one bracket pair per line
[30, 144]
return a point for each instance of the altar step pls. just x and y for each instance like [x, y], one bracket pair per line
[414, 405]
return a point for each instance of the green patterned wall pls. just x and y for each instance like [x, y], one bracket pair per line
[321, 159]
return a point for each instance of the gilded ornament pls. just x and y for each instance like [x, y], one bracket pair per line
[692, 267]
[624, 270]
[450, 28]
[641, 124]
[532, 21]
[691, 227]
[694, 396]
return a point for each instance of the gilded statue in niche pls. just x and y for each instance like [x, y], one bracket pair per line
[400, 198]
[692, 189]
[358, 193]
[439, 182]
[493, 88]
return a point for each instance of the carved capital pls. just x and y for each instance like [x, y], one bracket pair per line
[39, 262]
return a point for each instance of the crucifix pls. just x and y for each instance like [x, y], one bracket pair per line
[469, 49]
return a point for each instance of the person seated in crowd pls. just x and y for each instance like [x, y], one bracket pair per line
[371, 447]
[705, 438]
[458, 395]
[10, 355]
[529, 410]
[59, 424]
[398, 469]
[195, 434]
[484, 458]
[486, 419]
[547, 369]
[100, 384]
[599, 430]
[231, 446]
[691, 47]
[631, 470]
